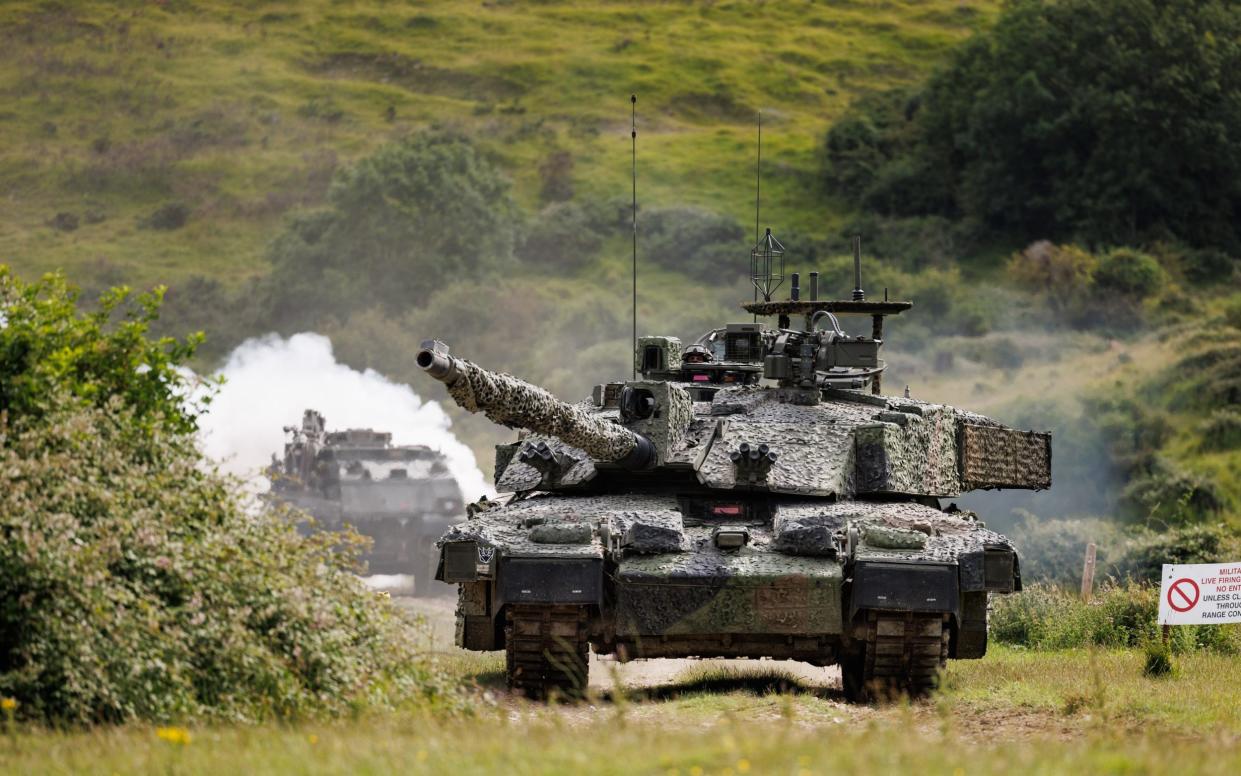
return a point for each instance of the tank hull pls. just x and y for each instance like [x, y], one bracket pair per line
[810, 580]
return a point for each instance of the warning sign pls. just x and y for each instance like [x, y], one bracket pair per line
[1200, 594]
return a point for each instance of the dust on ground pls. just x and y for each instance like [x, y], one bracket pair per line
[660, 692]
[607, 673]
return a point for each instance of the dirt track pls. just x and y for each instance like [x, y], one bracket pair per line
[638, 674]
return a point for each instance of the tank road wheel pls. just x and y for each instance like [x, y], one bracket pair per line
[903, 654]
[546, 650]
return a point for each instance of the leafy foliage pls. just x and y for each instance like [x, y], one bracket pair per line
[1130, 272]
[1046, 617]
[50, 352]
[134, 581]
[1052, 549]
[399, 224]
[694, 241]
[1106, 120]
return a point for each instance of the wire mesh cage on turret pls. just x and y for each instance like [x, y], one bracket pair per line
[767, 265]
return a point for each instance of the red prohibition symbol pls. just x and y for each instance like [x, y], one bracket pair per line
[1183, 594]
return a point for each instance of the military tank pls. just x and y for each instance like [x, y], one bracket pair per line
[751, 495]
[402, 496]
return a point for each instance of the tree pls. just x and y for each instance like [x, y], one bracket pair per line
[399, 224]
[1106, 121]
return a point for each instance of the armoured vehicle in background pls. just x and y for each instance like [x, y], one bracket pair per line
[752, 495]
[402, 496]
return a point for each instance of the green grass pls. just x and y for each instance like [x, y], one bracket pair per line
[1013, 712]
[242, 110]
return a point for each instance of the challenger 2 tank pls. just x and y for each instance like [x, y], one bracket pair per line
[752, 495]
[401, 496]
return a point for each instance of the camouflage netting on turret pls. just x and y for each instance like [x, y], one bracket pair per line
[513, 402]
[998, 457]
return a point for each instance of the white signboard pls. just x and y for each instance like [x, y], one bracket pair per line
[1200, 594]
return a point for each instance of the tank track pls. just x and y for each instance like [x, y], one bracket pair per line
[547, 650]
[903, 655]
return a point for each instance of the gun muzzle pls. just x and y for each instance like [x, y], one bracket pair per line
[438, 365]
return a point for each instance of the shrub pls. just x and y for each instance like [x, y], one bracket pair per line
[565, 236]
[1222, 431]
[399, 225]
[1046, 617]
[64, 221]
[1232, 312]
[1130, 272]
[173, 215]
[1166, 493]
[556, 177]
[709, 247]
[1052, 550]
[134, 582]
[47, 347]
[1158, 659]
[1210, 266]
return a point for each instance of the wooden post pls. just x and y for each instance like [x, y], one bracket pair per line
[876, 333]
[1088, 573]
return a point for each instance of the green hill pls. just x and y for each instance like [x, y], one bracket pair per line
[227, 115]
[170, 142]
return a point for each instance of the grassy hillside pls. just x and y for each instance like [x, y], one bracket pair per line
[240, 111]
[168, 142]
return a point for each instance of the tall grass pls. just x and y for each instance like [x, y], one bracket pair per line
[1047, 617]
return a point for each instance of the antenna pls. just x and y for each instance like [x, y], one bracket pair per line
[758, 178]
[758, 191]
[633, 158]
[858, 294]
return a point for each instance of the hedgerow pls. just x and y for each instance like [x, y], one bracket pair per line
[135, 583]
[1119, 615]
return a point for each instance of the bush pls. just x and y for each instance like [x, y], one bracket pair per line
[1158, 660]
[1222, 431]
[709, 247]
[1063, 274]
[1130, 272]
[1046, 617]
[47, 348]
[1232, 312]
[134, 583]
[1166, 493]
[1210, 266]
[1052, 550]
[566, 236]
[556, 177]
[173, 215]
[399, 225]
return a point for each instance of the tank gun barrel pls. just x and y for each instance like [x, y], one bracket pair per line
[509, 401]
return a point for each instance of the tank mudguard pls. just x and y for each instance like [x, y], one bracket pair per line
[897, 586]
[992, 569]
[550, 581]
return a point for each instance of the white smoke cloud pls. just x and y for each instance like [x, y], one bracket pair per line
[270, 380]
